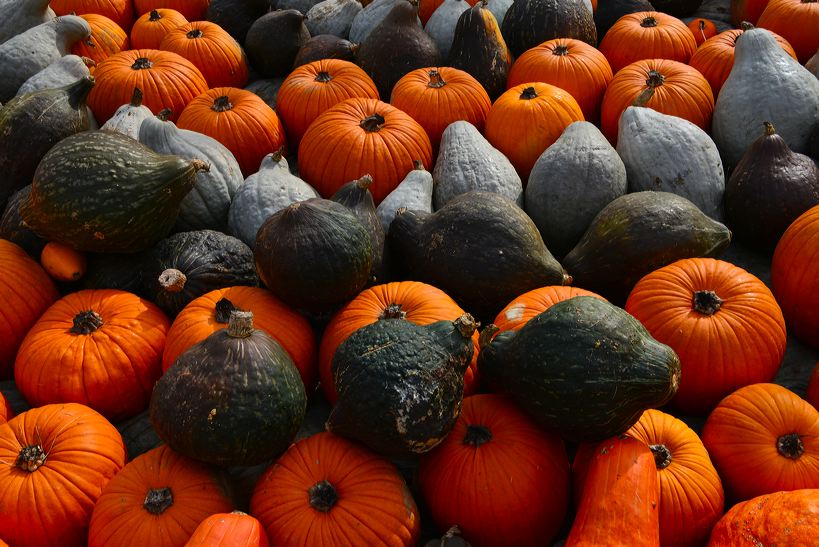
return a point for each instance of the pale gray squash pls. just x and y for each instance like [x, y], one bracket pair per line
[301, 5]
[765, 85]
[332, 17]
[669, 154]
[813, 64]
[414, 193]
[206, 206]
[572, 181]
[369, 18]
[30, 52]
[129, 117]
[272, 188]
[442, 22]
[466, 161]
[499, 9]
[21, 15]
[63, 71]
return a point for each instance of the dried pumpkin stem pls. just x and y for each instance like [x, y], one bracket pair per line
[477, 435]
[662, 455]
[142, 63]
[393, 311]
[172, 280]
[706, 302]
[466, 325]
[373, 123]
[155, 16]
[790, 446]
[157, 500]
[86, 322]
[648, 22]
[323, 77]
[240, 324]
[528, 94]
[560, 51]
[322, 496]
[31, 458]
[195, 33]
[221, 104]
[435, 79]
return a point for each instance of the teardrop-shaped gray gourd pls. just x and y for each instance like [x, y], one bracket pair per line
[65, 70]
[572, 181]
[369, 18]
[765, 85]
[442, 22]
[466, 161]
[21, 15]
[332, 17]
[669, 154]
[129, 117]
[414, 193]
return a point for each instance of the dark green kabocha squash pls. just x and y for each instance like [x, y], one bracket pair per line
[125, 272]
[356, 196]
[315, 255]
[584, 368]
[609, 11]
[325, 46]
[237, 16]
[273, 41]
[101, 191]
[529, 23]
[400, 385]
[235, 398]
[15, 230]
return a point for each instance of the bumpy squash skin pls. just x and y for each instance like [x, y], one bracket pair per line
[583, 368]
[357, 198]
[15, 230]
[400, 385]
[531, 22]
[478, 47]
[101, 191]
[19, 16]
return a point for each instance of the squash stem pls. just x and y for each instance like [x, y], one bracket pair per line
[221, 104]
[142, 63]
[435, 79]
[560, 51]
[31, 458]
[323, 77]
[364, 182]
[172, 280]
[157, 500]
[477, 435]
[240, 324]
[195, 33]
[528, 94]
[86, 322]
[393, 311]
[648, 22]
[322, 496]
[154, 17]
[662, 455]
[372, 124]
[790, 446]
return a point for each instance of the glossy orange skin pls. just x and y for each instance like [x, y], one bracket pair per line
[171, 82]
[497, 492]
[234, 529]
[702, 29]
[523, 128]
[742, 434]
[62, 262]
[628, 40]
[193, 10]
[797, 21]
[684, 93]
[746, 11]
[422, 303]
[249, 128]
[336, 149]
[6, 413]
[582, 71]
[374, 505]
[120, 12]
[742, 343]
[52, 505]
[112, 370]
[148, 34]
[215, 53]
[530, 304]
[303, 95]
[197, 321]
[120, 517]
[107, 38]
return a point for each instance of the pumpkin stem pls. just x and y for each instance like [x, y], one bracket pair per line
[195, 33]
[561, 50]
[142, 63]
[86, 322]
[769, 129]
[172, 280]
[154, 17]
[157, 500]
[466, 325]
[648, 22]
[662, 455]
[373, 123]
[240, 324]
[136, 97]
[323, 77]
[528, 94]
[322, 496]
[745, 25]
[790, 446]
[706, 302]
[701, 26]
[221, 104]
[164, 114]
[223, 310]
[435, 79]
[418, 165]
[393, 311]
[477, 435]
[364, 182]
[31, 458]
[487, 334]
[655, 79]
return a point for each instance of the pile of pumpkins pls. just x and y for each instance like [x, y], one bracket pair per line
[380, 273]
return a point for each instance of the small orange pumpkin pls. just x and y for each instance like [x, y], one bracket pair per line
[530, 304]
[6, 413]
[107, 38]
[149, 30]
[234, 529]
[795, 20]
[62, 262]
[702, 29]
[647, 35]
[193, 10]
[212, 50]
[120, 12]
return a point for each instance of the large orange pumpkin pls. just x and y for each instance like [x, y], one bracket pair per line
[101, 348]
[314, 87]
[795, 276]
[238, 119]
[120, 12]
[6, 413]
[528, 118]
[677, 89]
[212, 50]
[569, 64]
[158, 499]
[193, 10]
[326, 490]
[362, 136]
[26, 291]
[795, 20]
[149, 30]
[211, 312]
[647, 35]
[166, 80]
[107, 38]
[764, 438]
[234, 529]
[722, 321]
[498, 476]
[411, 300]
[56, 460]
[437, 96]
[530, 304]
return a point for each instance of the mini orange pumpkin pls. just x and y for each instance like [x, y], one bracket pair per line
[702, 29]
[62, 262]
[212, 50]
[234, 529]
[647, 35]
[120, 12]
[107, 38]
[149, 30]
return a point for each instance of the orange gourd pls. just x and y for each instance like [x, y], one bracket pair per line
[530, 304]
[795, 20]
[107, 38]
[234, 529]
[212, 50]
[647, 35]
[151, 27]
[120, 12]
[702, 29]
[62, 262]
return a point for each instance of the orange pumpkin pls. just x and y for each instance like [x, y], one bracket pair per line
[234, 529]
[743, 11]
[238, 119]
[715, 57]
[427, 7]
[678, 90]
[327, 490]
[795, 20]
[530, 304]
[702, 29]
[107, 38]
[569, 64]
[764, 438]
[488, 476]
[528, 118]
[62, 262]
[193, 10]
[166, 80]
[795, 276]
[6, 413]
[722, 321]
[362, 136]
[56, 461]
[647, 35]
[436, 97]
[314, 87]
[26, 292]
[101, 348]
[158, 499]
[813, 388]
[212, 50]
[120, 12]
[151, 27]
[411, 300]
[211, 312]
